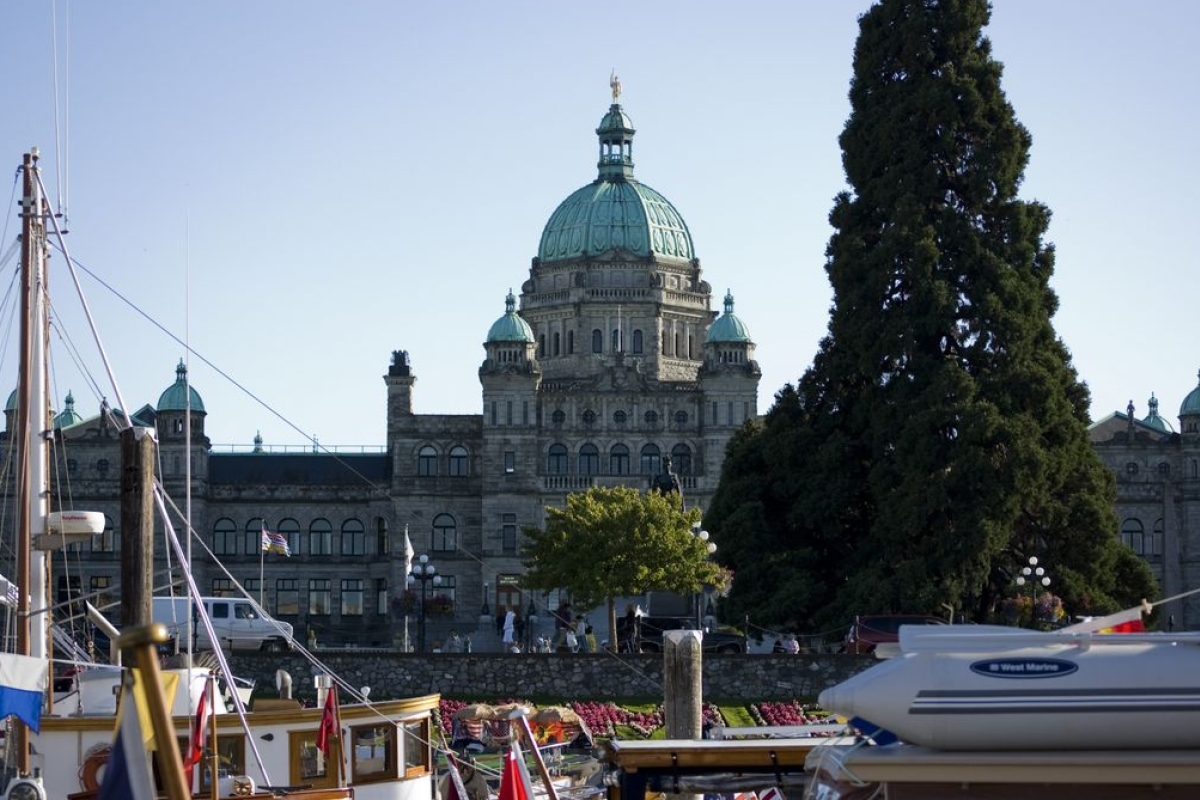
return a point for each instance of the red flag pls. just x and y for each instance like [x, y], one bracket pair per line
[196, 741]
[512, 787]
[329, 725]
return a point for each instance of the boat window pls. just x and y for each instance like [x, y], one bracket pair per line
[231, 751]
[416, 748]
[374, 756]
[307, 764]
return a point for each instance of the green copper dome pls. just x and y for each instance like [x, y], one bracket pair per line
[1191, 403]
[175, 397]
[510, 327]
[11, 405]
[69, 416]
[728, 328]
[1154, 420]
[615, 212]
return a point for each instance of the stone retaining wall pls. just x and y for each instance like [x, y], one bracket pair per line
[494, 676]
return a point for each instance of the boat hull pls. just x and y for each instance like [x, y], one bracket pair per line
[1062, 697]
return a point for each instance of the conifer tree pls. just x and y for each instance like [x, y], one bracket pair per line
[939, 438]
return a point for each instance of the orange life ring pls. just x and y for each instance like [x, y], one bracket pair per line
[89, 773]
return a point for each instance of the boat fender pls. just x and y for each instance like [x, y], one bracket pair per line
[89, 773]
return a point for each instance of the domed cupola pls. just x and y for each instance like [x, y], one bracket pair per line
[615, 212]
[69, 416]
[511, 327]
[728, 328]
[1191, 403]
[175, 398]
[510, 344]
[1154, 420]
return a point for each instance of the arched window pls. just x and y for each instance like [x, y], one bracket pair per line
[1164, 469]
[558, 417]
[354, 538]
[320, 537]
[597, 341]
[651, 460]
[1156, 539]
[224, 542]
[681, 459]
[290, 529]
[619, 417]
[666, 337]
[557, 343]
[254, 529]
[651, 418]
[1131, 468]
[556, 459]
[458, 461]
[681, 418]
[541, 345]
[637, 342]
[570, 342]
[616, 340]
[618, 460]
[427, 461]
[589, 459]
[445, 533]
[589, 417]
[1133, 534]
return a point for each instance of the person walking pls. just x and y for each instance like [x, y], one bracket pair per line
[589, 640]
[510, 627]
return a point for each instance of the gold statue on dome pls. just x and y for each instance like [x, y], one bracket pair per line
[614, 83]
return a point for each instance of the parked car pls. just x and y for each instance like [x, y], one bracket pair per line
[714, 641]
[873, 629]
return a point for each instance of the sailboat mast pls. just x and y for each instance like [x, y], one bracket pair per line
[32, 414]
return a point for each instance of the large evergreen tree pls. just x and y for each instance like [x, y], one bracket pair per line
[940, 437]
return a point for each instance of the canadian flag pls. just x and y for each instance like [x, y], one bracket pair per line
[196, 740]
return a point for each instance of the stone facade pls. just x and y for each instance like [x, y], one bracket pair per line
[605, 372]
[1158, 496]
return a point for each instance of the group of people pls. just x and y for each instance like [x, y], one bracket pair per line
[572, 634]
[786, 644]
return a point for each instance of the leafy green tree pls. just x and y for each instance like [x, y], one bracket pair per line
[609, 543]
[940, 436]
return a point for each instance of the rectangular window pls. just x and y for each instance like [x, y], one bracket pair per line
[373, 757]
[231, 752]
[352, 597]
[382, 545]
[287, 597]
[510, 462]
[493, 412]
[509, 416]
[225, 542]
[101, 589]
[308, 764]
[354, 539]
[525, 413]
[416, 748]
[729, 412]
[381, 597]
[252, 586]
[508, 533]
[714, 412]
[222, 587]
[319, 601]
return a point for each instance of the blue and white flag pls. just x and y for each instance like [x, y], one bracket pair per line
[22, 688]
[127, 775]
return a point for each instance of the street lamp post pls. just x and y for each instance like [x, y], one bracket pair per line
[702, 535]
[426, 573]
[1036, 577]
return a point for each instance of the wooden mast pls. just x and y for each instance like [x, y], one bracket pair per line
[31, 472]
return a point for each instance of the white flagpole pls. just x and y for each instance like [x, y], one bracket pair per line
[261, 555]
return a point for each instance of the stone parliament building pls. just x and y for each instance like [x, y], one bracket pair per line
[610, 366]
[609, 362]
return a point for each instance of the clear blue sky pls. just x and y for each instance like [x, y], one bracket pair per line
[300, 188]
